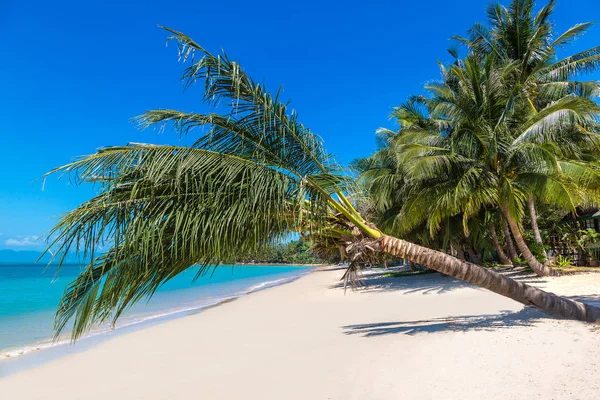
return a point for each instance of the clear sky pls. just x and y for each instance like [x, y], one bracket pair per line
[73, 73]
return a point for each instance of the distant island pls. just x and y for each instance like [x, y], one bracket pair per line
[31, 257]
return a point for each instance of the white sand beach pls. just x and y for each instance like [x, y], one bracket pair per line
[420, 337]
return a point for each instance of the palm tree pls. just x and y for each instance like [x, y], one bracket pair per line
[254, 176]
[490, 150]
[384, 178]
[517, 34]
[504, 259]
[510, 245]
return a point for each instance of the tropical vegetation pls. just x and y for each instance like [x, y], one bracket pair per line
[504, 124]
[291, 252]
[504, 131]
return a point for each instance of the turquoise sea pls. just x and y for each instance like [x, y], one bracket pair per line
[29, 295]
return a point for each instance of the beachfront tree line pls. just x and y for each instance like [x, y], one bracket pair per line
[506, 127]
[291, 252]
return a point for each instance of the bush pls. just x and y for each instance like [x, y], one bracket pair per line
[563, 262]
[518, 261]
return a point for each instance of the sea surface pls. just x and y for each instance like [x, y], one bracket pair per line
[30, 293]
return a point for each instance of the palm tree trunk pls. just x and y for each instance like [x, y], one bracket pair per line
[413, 267]
[512, 252]
[503, 257]
[475, 258]
[529, 295]
[536, 266]
[533, 216]
[460, 253]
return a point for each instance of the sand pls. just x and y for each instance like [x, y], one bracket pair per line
[420, 337]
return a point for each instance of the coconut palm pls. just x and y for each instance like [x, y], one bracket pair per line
[517, 34]
[504, 259]
[388, 187]
[253, 177]
[485, 148]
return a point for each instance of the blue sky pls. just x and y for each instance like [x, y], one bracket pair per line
[73, 74]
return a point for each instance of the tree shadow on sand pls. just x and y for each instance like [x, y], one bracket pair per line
[522, 275]
[426, 284]
[526, 317]
[593, 300]
[506, 319]
[434, 283]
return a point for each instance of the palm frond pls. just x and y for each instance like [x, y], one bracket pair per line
[266, 119]
[560, 115]
[584, 62]
[571, 34]
[164, 209]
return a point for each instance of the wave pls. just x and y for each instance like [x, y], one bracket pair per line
[276, 282]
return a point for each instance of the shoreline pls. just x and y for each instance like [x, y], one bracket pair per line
[280, 264]
[13, 360]
[306, 339]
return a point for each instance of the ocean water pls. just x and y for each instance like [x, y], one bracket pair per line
[29, 295]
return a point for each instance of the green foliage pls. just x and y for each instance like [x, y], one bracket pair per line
[293, 252]
[568, 234]
[563, 262]
[298, 252]
[578, 240]
[518, 261]
[589, 237]
[507, 121]
[538, 250]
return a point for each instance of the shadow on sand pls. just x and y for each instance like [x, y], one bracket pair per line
[463, 323]
[426, 284]
[434, 283]
[593, 300]
[439, 284]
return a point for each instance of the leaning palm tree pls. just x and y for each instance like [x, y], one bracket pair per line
[255, 175]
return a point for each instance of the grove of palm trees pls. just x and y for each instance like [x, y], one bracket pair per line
[506, 130]
[495, 153]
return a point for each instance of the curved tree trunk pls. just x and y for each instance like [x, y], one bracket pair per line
[533, 216]
[413, 267]
[548, 302]
[503, 257]
[536, 266]
[512, 252]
